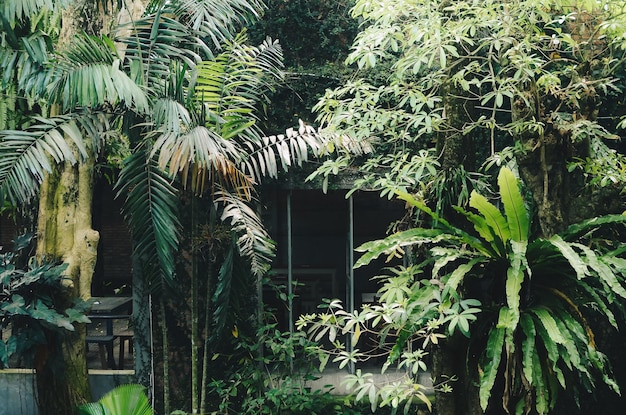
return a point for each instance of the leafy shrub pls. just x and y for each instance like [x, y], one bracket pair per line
[29, 304]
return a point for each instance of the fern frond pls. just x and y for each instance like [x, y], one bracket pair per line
[516, 213]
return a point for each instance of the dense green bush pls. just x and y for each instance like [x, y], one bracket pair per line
[30, 311]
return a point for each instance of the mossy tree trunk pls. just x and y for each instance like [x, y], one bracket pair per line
[65, 230]
[457, 154]
[65, 234]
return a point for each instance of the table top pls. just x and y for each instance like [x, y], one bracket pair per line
[111, 305]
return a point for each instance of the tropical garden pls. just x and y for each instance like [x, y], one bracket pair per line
[498, 124]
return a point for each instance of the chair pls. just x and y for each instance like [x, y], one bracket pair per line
[105, 347]
[125, 336]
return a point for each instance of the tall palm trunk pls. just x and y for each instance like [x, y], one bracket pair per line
[166, 357]
[195, 336]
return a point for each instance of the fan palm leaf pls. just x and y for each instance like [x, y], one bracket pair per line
[128, 399]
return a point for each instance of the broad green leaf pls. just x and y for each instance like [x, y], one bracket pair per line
[493, 357]
[572, 257]
[528, 346]
[515, 276]
[493, 217]
[128, 399]
[542, 394]
[575, 230]
[566, 324]
[547, 322]
[16, 306]
[516, 214]
[603, 269]
[486, 232]
[459, 273]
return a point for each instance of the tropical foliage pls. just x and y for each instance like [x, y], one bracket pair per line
[440, 85]
[532, 334]
[174, 94]
[31, 305]
[443, 88]
[122, 400]
[184, 116]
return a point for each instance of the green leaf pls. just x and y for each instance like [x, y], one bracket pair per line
[459, 273]
[515, 276]
[16, 306]
[549, 324]
[253, 241]
[151, 209]
[395, 243]
[493, 357]
[441, 222]
[602, 266]
[542, 393]
[572, 257]
[528, 346]
[574, 231]
[514, 208]
[128, 399]
[76, 316]
[493, 217]
[484, 230]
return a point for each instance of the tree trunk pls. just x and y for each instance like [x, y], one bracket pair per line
[457, 156]
[65, 234]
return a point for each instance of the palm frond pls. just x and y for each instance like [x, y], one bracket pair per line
[170, 116]
[87, 74]
[274, 153]
[26, 155]
[151, 211]
[222, 294]
[253, 241]
[153, 43]
[218, 19]
[230, 86]
[25, 62]
[203, 157]
[15, 10]
[127, 399]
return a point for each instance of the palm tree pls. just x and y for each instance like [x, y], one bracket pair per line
[179, 86]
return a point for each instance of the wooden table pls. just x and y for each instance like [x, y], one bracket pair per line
[108, 309]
